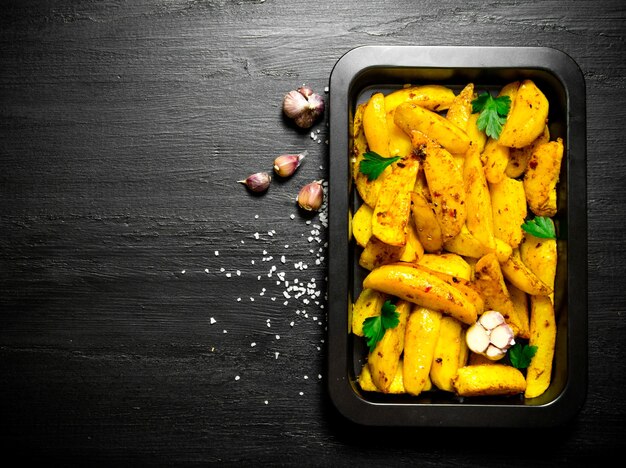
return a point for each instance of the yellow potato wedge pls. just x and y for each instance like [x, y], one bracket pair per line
[447, 353]
[520, 305]
[377, 253]
[393, 207]
[375, 125]
[368, 304]
[413, 250]
[362, 225]
[464, 354]
[543, 336]
[421, 335]
[367, 189]
[467, 288]
[542, 175]
[411, 117]
[527, 118]
[503, 250]
[432, 97]
[461, 107]
[465, 244]
[448, 263]
[421, 286]
[445, 182]
[519, 157]
[508, 203]
[476, 359]
[478, 201]
[367, 384]
[426, 223]
[477, 137]
[495, 158]
[489, 379]
[384, 359]
[399, 141]
[519, 275]
[540, 256]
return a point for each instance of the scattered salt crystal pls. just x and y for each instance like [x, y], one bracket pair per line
[206, 270]
[253, 344]
[326, 89]
[292, 323]
[256, 216]
[237, 377]
[238, 273]
[217, 253]
[282, 259]
[222, 270]
[306, 377]
[266, 402]
[319, 376]
[301, 393]
[256, 235]
[251, 299]
[238, 299]
[183, 272]
[292, 216]
[278, 337]
[276, 354]
[228, 275]
[213, 320]
[225, 331]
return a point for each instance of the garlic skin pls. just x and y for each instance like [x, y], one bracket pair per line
[258, 182]
[490, 336]
[303, 106]
[311, 196]
[286, 164]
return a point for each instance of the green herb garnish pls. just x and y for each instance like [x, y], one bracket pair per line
[540, 226]
[373, 164]
[493, 113]
[521, 355]
[374, 327]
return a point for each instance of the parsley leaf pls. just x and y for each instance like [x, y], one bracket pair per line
[373, 164]
[521, 355]
[493, 113]
[374, 327]
[540, 226]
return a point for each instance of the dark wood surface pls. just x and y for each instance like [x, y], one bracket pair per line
[142, 318]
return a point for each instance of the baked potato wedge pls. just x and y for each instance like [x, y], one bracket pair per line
[432, 97]
[426, 223]
[368, 304]
[495, 158]
[362, 224]
[367, 189]
[384, 359]
[541, 177]
[518, 274]
[411, 117]
[508, 203]
[540, 256]
[461, 107]
[479, 218]
[519, 157]
[420, 286]
[527, 117]
[367, 384]
[488, 379]
[421, 335]
[375, 125]
[543, 336]
[447, 353]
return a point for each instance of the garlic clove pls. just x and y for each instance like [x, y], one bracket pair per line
[477, 338]
[286, 164]
[305, 91]
[294, 104]
[311, 196]
[258, 182]
[491, 319]
[494, 353]
[502, 336]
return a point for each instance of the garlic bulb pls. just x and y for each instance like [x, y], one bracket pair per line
[303, 106]
[490, 336]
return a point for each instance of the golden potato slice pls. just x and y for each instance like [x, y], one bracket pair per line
[540, 256]
[411, 117]
[421, 286]
[393, 207]
[518, 274]
[519, 157]
[426, 223]
[367, 189]
[384, 359]
[478, 201]
[542, 175]
[527, 118]
[367, 384]
[489, 379]
[375, 125]
[377, 253]
[445, 182]
[495, 158]
[447, 353]
[368, 304]
[461, 107]
[422, 332]
[477, 137]
[543, 336]
[448, 263]
[520, 306]
[508, 203]
[362, 225]
[432, 97]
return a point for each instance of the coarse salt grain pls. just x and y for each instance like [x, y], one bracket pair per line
[237, 377]
[213, 320]
[217, 253]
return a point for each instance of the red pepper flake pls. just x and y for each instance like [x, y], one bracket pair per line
[533, 164]
[428, 288]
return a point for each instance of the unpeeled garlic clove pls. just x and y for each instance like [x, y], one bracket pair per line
[285, 165]
[258, 182]
[311, 196]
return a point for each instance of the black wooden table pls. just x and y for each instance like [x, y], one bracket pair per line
[154, 311]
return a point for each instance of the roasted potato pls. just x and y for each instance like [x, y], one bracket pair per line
[426, 223]
[375, 125]
[488, 379]
[508, 202]
[368, 304]
[421, 335]
[542, 175]
[447, 354]
[527, 117]
[362, 225]
[543, 336]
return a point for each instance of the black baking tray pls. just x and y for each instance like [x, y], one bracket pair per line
[371, 68]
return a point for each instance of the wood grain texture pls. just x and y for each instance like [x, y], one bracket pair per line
[124, 127]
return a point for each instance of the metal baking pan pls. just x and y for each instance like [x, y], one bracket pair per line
[355, 76]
